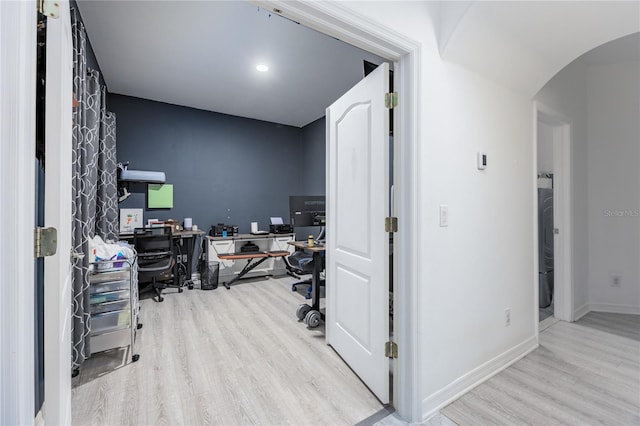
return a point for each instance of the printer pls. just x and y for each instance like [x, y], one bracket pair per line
[282, 228]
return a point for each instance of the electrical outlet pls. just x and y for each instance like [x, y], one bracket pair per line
[507, 317]
[616, 280]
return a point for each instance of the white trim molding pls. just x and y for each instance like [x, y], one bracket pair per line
[614, 308]
[435, 402]
[57, 284]
[17, 211]
[338, 20]
[563, 209]
[581, 311]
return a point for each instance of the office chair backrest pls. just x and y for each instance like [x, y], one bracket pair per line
[148, 240]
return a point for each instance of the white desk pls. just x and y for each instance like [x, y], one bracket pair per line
[267, 242]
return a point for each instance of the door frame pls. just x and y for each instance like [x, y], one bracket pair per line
[562, 211]
[17, 161]
[17, 185]
[337, 20]
[58, 214]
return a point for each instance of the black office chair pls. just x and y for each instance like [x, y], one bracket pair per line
[155, 257]
[301, 263]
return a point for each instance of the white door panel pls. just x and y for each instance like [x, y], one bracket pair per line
[357, 281]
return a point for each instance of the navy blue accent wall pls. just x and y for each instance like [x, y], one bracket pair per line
[314, 138]
[223, 168]
[314, 155]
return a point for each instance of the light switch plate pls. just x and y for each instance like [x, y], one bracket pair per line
[482, 161]
[444, 215]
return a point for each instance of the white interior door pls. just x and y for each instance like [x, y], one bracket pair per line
[357, 257]
[57, 285]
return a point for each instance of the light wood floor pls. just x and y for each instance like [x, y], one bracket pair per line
[583, 373]
[225, 357]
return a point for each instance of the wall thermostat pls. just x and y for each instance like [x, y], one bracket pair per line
[482, 161]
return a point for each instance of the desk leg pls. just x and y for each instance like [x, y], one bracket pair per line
[311, 315]
[247, 268]
[315, 282]
[188, 281]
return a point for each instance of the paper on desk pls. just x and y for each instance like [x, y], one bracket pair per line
[276, 221]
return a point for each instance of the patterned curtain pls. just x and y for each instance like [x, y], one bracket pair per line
[94, 183]
[107, 199]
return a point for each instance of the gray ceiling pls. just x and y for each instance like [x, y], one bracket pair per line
[203, 54]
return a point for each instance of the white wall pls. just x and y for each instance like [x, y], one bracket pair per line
[566, 94]
[545, 147]
[614, 186]
[483, 262]
[603, 102]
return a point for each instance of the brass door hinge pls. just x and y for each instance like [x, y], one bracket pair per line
[390, 224]
[391, 100]
[391, 350]
[49, 8]
[45, 242]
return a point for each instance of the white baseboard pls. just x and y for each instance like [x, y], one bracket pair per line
[580, 312]
[610, 308]
[39, 420]
[614, 308]
[433, 403]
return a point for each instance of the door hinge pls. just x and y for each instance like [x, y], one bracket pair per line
[390, 224]
[49, 8]
[391, 100]
[391, 349]
[45, 242]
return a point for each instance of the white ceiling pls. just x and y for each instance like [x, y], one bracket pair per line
[525, 43]
[203, 54]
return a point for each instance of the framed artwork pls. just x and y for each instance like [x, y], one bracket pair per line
[130, 219]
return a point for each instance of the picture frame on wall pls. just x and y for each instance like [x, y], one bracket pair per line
[130, 219]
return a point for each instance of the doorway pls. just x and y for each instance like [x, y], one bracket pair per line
[554, 284]
[404, 202]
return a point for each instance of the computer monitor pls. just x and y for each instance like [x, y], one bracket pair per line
[307, 210]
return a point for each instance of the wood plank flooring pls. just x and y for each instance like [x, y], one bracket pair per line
[225, 357]
[583, 373]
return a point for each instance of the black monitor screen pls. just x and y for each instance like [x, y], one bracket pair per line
[307, 210]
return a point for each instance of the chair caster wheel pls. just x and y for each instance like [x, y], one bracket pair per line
[293, 288]
[312, 319]
[190, 287]
[135, 357]
[302, 310]
[180, 290]
[139, 326]
[75, 372]
[160, 299]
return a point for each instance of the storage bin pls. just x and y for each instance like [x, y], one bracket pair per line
[117, 275]
[110, 321]
[99, 308]
[112, 296]
[109, 286]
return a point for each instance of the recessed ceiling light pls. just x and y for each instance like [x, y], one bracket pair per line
[262, 68]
